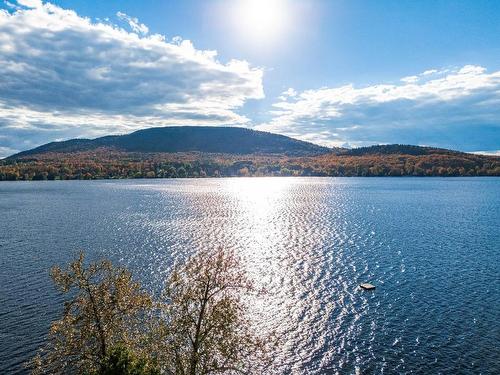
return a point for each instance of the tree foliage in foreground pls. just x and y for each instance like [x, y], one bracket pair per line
[111, 326]
[207, 330]
[105, 308]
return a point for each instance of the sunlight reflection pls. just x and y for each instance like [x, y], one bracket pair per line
[261, 203]
[262, 206]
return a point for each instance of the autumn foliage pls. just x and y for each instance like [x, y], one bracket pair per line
[112, 164]
[110, 325]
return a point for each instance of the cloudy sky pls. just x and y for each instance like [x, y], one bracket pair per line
[339, 73]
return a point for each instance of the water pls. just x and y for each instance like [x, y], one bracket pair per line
[431, 246]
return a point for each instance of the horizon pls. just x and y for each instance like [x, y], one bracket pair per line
[486, 153]
[337, 74]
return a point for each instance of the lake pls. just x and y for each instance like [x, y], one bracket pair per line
[430, 245]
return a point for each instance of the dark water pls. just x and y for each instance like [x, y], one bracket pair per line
[432, 247]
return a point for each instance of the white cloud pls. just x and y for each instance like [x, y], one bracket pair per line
[429, 72]
[6, 151]
[30, 3]
[410, 79]
[488, 153]
[10, 5]
[290, 93]
[458, 108]
[68, 75]
[134, 23]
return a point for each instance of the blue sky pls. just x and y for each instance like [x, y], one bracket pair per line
[350, 73]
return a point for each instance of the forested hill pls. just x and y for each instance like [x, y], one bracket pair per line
[206, 139]
[397, 149]
[223, 152]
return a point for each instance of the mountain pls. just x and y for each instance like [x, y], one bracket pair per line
[397, 149]
[225, 152]
[206, 139]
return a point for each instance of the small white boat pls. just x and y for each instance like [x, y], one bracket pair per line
[367, 286]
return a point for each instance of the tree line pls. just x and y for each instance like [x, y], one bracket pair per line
[82, 166]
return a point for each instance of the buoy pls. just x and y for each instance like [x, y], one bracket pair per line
[367, 286]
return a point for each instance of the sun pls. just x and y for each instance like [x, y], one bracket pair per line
[261, 21]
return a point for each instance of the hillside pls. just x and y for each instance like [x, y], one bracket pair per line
[206, 139]
[104, 164]
[396, 149]
[221, 152]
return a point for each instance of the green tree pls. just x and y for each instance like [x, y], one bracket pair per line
[181, 172]
[170, 171]
[122, 361]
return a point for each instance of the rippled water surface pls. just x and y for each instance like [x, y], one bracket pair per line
[431, 246]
